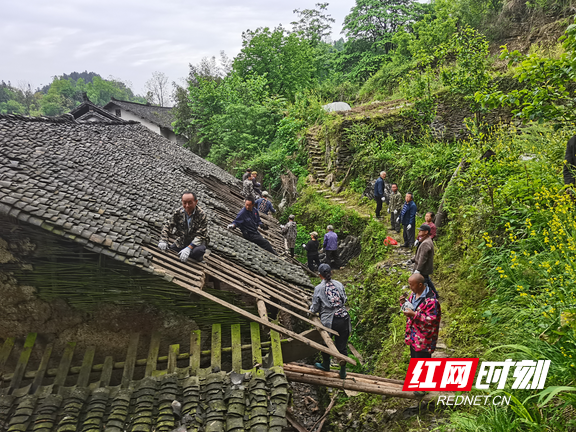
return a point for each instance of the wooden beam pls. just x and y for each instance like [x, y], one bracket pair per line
[276, 348]
[130, 360]
[5, 353]
[152, 354]
[173, 351]
[64, 366]
[216, 360]
[296, 367]
[86, 368]
[37, 383]
[22, 362]
[266, 323]
[256, 348]
[236, 348]
[348, 384]
[325, 336]
[106, 375]
[195, 339]
[262, 309]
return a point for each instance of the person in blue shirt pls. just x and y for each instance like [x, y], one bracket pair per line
[331, 247]
[408, 219]
[380, 194]
[248, 220]
[264, 205]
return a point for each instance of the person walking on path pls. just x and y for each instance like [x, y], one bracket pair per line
[290, 232]
[381, 192]
[329, 302]
[395, 207]
[248, 220]
[191, 229]
[312, 251]
[264, 205]
[424, 259]
[331, 247]
[428, 218]
[408, 219]
[423, 314]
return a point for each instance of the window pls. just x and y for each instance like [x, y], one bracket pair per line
[118, 113]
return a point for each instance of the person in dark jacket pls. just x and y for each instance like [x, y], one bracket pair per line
[424, 259]
[408, 220]
[248, 220]
[247, 174]
[312, 251]
[380, 194]
[329, 301]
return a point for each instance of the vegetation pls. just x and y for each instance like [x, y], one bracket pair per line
[63, 94]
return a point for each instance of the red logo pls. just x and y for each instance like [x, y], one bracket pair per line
[449, 374]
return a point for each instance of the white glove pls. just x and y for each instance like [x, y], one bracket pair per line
[416, 243]
[395, 211]
[388, 209]
[397, 219]
[304, 245]
[162, 245]
[184, 254]
[409, 226]
[231, 226]
[383, 198]
[416, 271]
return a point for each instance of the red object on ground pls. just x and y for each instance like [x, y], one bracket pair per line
[390, 241]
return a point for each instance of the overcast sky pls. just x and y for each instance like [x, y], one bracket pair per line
[130, 39]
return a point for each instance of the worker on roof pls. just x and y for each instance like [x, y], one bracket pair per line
[290, 232]
[329, 301]
[248, 187]
[257, 185]
[246, 174]
[190, 226]
[264, 205]
[248, 220]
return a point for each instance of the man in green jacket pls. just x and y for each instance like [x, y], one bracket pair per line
[396, 203]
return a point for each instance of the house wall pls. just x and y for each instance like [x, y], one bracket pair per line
[127, 115]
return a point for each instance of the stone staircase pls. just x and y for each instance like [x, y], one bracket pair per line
[318, 159]
[316, 156]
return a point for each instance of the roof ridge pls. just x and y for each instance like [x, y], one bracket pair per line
[140, 104]
[64, 118]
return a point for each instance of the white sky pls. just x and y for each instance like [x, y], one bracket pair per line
[130, 39]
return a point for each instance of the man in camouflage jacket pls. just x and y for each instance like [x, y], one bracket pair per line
[190, 227]
[290, 233]
[395, 207]
[248, 187]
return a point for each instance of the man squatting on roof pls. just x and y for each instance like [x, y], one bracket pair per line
[190, 225]
[248, 220]
[328, 301]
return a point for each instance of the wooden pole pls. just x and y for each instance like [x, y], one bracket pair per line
[348, 384]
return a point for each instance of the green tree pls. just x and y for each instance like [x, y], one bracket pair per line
[314, 25]
[370, 28]
[547, 83]
[285, 60]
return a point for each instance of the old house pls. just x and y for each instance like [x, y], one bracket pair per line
[83, 285]
[157, 119]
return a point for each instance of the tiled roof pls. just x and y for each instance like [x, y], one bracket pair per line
[110, 187]
[161, 116]
[87, 109]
